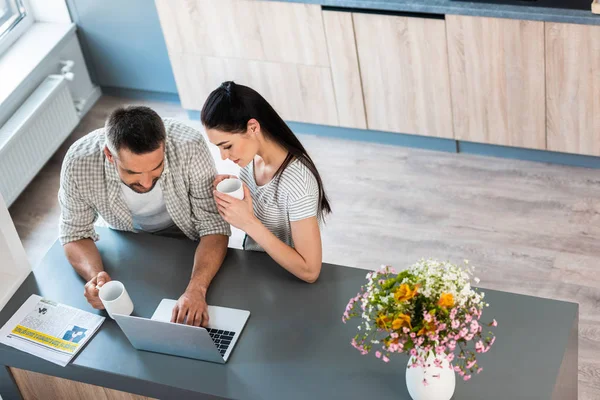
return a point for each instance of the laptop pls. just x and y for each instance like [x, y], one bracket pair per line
[159, 335]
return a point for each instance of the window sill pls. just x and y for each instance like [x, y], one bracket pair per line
[22, 58]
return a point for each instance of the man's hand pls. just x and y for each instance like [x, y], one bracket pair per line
[192, 308]
[91, 289]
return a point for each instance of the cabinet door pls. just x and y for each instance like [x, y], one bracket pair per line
[297, 92]
[345, 73]
[573, 88]
[497, 80]
[404, 70]
[246, 29]
[278, 49]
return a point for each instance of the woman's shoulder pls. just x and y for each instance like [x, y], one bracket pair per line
[297, 180]
[246, 174]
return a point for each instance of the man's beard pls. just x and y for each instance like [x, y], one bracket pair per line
[140, 189]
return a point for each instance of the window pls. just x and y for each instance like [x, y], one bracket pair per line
[14, 20]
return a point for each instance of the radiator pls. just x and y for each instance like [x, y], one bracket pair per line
[34, 133]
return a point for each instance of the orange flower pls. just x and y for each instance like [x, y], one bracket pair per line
[400, 321]
[446, 300]
[382, 320]
[428, 327]
[405, 293]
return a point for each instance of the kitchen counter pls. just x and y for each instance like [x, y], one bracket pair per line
[481, 9]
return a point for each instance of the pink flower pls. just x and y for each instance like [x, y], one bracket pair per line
[464, 332]
[427, 317]
[394, 335]
[469, 337]
[494, 323]
[457, 368]
[466, 377]
[405, 330]
[441, 327]
[413, 335]
[413, 352]
[425, 382]
[450, 357]
[479, 346]
[385, 359]
[378, 354]
[440, 349]
[468, 318]
[474, 327]
[470, 364]
[455, 324]
[492, 341]
[479, 370]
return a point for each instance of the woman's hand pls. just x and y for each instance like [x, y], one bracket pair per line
[238, 213]
[220, 178]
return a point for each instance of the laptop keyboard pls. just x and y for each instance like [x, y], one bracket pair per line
[221, 338]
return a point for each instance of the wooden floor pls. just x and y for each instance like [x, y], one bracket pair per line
[530, 228]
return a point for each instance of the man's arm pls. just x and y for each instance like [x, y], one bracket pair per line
[85, 259]
[77, 233]
[209, 256]
[211, 228]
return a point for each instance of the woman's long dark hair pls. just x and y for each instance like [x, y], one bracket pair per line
[230, 107]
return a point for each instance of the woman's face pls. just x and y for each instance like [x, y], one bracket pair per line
[237, 147]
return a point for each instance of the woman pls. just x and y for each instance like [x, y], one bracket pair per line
[284, 201]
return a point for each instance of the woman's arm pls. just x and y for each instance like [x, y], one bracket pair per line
[305, 259]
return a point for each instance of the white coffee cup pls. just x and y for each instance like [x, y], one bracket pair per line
[233, 187]
[115, 298]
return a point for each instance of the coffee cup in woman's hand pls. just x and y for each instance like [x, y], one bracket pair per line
[221, 178]
[232, 187]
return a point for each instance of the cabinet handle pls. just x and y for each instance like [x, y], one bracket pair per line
[384, 12]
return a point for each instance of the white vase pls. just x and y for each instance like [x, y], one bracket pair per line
[440, 381]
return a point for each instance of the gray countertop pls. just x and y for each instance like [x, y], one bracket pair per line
[294, 345]
[466, 8]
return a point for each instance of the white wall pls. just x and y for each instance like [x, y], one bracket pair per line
[14, 266]
[50, 11]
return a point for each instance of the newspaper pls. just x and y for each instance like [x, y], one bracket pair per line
[50, 330]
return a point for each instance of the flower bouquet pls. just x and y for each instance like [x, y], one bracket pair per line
[428, 311]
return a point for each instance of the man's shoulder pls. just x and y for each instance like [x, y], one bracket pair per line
[180, 131]
[182, 137]
[87, 151]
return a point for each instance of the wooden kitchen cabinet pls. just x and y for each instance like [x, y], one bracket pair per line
[404, 71]
[297, 92]
[245, 29]
[278, 49]
[345, 72]
[498, 80]
[573, 88]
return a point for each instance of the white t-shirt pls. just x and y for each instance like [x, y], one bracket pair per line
[293, 196]
[148, 210]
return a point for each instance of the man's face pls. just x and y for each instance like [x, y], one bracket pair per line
[138, 171]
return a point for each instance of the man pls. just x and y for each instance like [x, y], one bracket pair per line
[142, 173]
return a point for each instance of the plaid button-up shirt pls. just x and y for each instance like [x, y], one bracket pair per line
[90, 186]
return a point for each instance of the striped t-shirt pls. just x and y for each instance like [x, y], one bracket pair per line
[292, 196]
